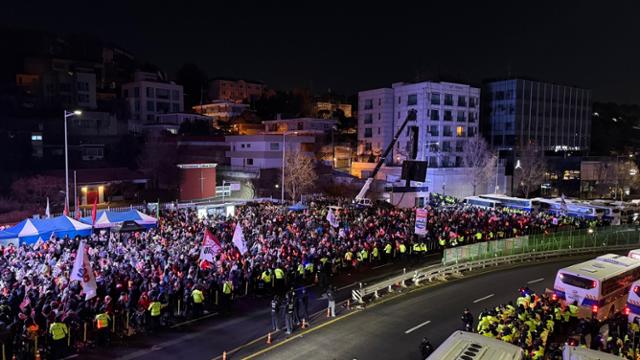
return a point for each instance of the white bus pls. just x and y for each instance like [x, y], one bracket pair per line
[514, 202]
[633, 302]
[483, 203]
[599, 286]
[555, 206]
[634, 254]
[580, 353]
[466, 345]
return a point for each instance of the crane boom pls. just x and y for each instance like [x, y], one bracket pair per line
[411, 115]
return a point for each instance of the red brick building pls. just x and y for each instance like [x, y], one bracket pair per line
[197, 181]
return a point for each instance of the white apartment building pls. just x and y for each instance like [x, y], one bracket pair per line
[264, 151]
[148, 96]
[447, 115]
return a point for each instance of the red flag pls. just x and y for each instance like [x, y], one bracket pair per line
[210, 248]
[94, 210]
[78, 214]
[65, 212]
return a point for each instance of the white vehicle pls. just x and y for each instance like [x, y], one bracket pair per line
[634, 254]
[514, 202]
[580, 353]
[555, 206]
[599, 286]
[483, 203]
[466, 345]
[633, 302]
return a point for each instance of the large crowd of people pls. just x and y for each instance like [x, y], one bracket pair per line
[146, 278]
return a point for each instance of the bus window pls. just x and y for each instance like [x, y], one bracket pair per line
[578, 281]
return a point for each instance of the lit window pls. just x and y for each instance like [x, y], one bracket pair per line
[460, 131]
[36, 137]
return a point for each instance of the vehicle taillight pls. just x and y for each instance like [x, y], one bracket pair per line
[594, 284]
[627, 311]
[594, 309]
[635, 289]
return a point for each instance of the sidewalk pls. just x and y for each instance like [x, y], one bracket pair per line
[250, 322]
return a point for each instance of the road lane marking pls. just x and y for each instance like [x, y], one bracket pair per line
[483, 298]
[535, 281]
[417, 327]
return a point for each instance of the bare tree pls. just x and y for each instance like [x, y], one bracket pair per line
[625, 176]
[479, 159]
[530, 169]
[300, 173]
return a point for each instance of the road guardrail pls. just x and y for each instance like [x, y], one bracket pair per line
[441, 273]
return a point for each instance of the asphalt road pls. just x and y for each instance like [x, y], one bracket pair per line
[394, 329]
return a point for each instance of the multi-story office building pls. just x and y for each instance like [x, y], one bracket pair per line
[447, 115]
[235, 89]
[521, 112]
[148, 96]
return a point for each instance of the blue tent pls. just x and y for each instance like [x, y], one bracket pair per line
[30, 230]
[108, 219]
[297, 207]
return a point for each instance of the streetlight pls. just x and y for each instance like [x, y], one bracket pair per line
[67, 114]
[284, 143]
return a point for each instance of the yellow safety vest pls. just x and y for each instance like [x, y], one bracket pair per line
[374, 253]
[58, 331]
[226, 287]
[279, 273]
[155, 308]
[266, 277]
[403, 248]
[300, 269]
[102, 320]
[197, 295]
[387, 249]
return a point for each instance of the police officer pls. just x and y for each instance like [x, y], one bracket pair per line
[303, 306]
[58, 331]
[198, 300]
[289, 316]
[102, 326]
[227, 293]
[331, 298]
[155, 310]
[275, 309]
[425, 348]
[467, 320]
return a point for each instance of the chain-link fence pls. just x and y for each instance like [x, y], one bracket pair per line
[570, 239]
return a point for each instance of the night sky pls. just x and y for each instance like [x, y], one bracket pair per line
[592, 44]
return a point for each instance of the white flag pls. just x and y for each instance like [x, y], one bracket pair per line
[238, 239]
[38, 243]
[47, 211]
[82, 272]
[332, 218]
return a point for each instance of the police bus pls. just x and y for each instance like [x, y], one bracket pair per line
[579, 353]
[514, 202]
[477, 201]
[556, 207]
[599, 286]
[633, 302]
[466, 345]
